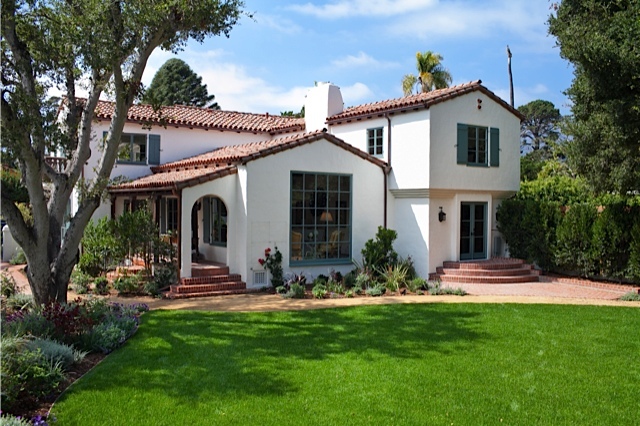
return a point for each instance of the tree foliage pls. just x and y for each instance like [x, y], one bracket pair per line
[431, 74]
[176, 83]
[540, 125]
[600, 38]
[102, 47]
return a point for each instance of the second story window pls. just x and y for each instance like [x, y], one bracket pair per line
[374, 141]
[132, 149]
[138, 148]
[478, 145]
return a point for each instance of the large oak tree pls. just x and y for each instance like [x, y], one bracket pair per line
[601, 38]
[97, 45]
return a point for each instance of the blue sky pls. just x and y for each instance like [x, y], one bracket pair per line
[366, 46]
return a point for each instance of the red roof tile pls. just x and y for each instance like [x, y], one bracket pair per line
[419, 101]
[223, 161]
[205, 118]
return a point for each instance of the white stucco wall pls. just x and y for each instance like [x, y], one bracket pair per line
[322, 101]
[268, 201]
[410, 153]
[445, 173]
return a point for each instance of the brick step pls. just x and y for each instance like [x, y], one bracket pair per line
[209, 271]
[171, 295]
[513, 279]
[210, 279]
[486, 265]
[487, 272]
[207, 288]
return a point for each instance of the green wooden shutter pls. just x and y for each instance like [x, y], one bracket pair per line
[463, 143]
[163, 215]
[494, 135]
[154, 149]
[206, 220]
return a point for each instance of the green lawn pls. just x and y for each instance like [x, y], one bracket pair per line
[430, 364]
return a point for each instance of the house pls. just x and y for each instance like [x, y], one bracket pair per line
[432, 166]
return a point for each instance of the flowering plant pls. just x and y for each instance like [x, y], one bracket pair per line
[273, 264]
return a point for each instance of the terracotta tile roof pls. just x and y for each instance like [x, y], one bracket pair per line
[223, 161]
[414, 102]
[205, 118]
[174, 179]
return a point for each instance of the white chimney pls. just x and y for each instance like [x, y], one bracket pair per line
[323, 100]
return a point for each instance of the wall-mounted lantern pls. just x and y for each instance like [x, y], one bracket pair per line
[442, 216]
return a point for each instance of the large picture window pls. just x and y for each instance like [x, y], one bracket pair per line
[320, 217]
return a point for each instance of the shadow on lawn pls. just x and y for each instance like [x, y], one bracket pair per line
[196, 356]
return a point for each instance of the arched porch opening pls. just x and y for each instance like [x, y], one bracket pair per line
[209, 229]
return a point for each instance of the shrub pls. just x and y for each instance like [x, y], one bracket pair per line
[379, 253]
[296, 291]
[27, 376]
[363, 280]
[20, 302]
[56, 352]
[631, 296]
[438, 290]
[349, 279]
[101, 285]
[18, 258]
[319, 291]
[107, 336]
[164, 275]
[25, 323]
[129, 284]
[394, 277]
[334, 286]
[70, 320]
[376, 290]
[612, 239]
[102, 248]
[80, 281]
[409, 266]
[273, 264]
[9, 420]
[575, 236]
[8, 285]
[416, 284]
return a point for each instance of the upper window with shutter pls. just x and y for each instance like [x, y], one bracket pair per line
[134, 149]
[478, 146]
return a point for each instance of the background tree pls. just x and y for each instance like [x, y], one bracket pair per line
[431, 74]
[97, 45]
[293, 114]
[176, 83]
[539, 129]
[600, 38]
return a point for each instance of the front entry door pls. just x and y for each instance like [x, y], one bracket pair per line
[473, 231]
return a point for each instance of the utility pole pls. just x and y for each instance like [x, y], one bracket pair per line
[510, 76]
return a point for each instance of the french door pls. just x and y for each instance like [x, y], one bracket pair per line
[473, 231]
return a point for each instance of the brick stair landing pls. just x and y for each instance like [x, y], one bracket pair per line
[492, 271]
[207, 279]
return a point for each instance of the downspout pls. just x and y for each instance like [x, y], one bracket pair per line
[387, 169]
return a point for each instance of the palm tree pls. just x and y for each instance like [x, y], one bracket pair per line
[431, 74]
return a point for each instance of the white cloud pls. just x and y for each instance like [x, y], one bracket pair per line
[361, 60]
[350, 8]
[279, 24]
[356, 94]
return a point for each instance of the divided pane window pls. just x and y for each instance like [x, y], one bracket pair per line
[218, 222]
[374, 141]
[477, 145]
[132, 148]
[320, 217]
[172, 214]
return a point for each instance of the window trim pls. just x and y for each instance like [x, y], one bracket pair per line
[131, 144]
[341, 227]
[375, 135]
